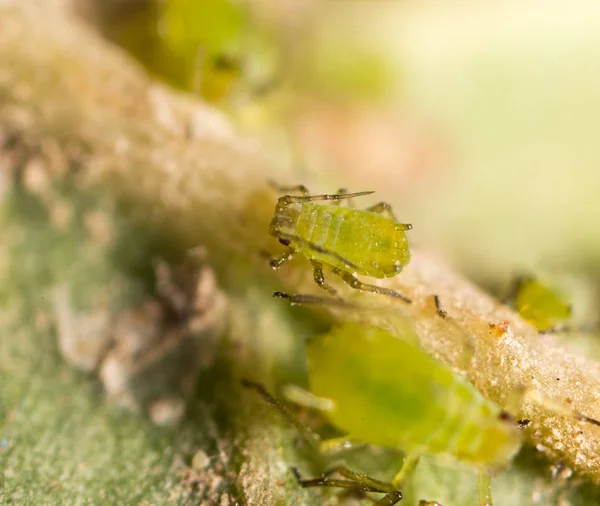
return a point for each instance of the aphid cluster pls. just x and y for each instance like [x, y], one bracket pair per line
[406, 399]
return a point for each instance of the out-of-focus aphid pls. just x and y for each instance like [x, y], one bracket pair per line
[406, 400]
[539, 303]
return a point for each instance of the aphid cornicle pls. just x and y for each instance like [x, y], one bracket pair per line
[350, 241]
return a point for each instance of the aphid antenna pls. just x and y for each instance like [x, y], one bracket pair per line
[307, 435]
[294, 199]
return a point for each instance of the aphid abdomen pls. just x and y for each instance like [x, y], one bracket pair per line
[381, 386]
[372, 242]
[386, 391]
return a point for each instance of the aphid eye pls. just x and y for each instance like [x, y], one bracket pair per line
[285, 242]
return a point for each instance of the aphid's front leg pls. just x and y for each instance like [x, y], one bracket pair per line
[385, 208]
[354, 282]
[320, 278]
[277, 261]
[354, 481]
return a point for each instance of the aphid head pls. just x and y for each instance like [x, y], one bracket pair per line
[284, 219]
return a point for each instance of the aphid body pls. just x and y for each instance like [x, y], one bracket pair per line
[386, 391]
[369, 243]
[540, 305]
[350, 241]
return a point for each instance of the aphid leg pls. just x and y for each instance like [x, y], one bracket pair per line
[423, 502]
[315, 247]
[484, 488]
[452, 325]
[307, 298]
[514, 288]
[336, 446]
[277, 261]
[300, 188]
[438, 308]
[354, 481]
[382, 208]
[355, 283]
[558, 407]
[385, 208]
[307, 435]
[344, 191]
[320, 278]
[408, 467]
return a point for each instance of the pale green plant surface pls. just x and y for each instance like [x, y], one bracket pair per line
[121, 144]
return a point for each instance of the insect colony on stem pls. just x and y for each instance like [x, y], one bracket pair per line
[407, 400]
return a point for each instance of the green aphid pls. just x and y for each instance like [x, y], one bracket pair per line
[351, 241]
[540, 304]
[384, 390]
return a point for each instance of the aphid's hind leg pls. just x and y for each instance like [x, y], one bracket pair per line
[277, 261]
[300, 188]
[320, 278]
[385, 208]
[319, 249]
[484, 488]
[452, 325]
[558, 407]
[355, 283]
[408, 468]
[354, 481]
[438, 308]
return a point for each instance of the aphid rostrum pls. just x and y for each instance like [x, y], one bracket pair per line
[350, 241]
[384, 390]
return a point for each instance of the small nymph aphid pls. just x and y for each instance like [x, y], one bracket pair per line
[539, 303]
[368, 242]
